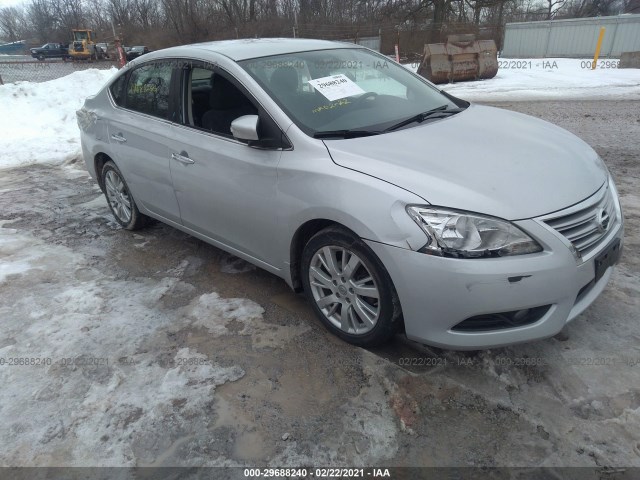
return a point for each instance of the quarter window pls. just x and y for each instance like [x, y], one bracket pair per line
[117, 90]
[148, 89]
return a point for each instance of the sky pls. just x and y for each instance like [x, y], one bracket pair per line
[10, 3]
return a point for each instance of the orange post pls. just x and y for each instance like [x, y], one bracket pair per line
[598, 45]
[122, 59]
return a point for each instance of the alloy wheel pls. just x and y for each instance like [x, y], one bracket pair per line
[344, 290]
[118, 196]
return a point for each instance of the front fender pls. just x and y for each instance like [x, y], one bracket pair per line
[312, 187]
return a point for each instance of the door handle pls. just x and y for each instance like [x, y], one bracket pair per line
[118, 137]
[182, 158]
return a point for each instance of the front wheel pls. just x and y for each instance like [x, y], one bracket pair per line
[349, 288]
[120, 201]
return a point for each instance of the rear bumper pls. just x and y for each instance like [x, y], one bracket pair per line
[437, 293]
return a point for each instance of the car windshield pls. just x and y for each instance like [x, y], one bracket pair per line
[344, 90]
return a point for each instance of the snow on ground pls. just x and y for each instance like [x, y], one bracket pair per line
[102, 370]
[550, 79]
[38, 124]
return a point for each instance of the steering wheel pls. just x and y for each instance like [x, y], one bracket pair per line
[361, 99]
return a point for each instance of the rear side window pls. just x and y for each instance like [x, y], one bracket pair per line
[148, 89]
[117, 90]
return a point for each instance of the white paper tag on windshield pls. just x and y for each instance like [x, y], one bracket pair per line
[336, 87]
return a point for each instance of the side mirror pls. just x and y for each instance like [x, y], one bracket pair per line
[245, 128]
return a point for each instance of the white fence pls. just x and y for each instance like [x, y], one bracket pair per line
[575, 38]
[370, 42]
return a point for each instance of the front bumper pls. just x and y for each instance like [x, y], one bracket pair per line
[437, 293]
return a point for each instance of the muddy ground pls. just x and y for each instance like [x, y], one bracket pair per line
[153, 348]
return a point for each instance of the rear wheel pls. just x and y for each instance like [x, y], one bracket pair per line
[349, 288]
[122, 205]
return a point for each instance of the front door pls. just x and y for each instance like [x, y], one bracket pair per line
[225, 188]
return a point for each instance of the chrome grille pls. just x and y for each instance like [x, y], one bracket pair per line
[586, 227]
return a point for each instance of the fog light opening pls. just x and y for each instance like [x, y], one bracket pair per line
[502, 320]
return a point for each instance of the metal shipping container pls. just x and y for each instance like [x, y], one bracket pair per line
[576, 37]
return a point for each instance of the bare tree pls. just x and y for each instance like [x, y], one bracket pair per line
[12, 23]
[68, 14]
[592, 8]
[552, 7]
[631, 6]
[43, 23]
[97, 16]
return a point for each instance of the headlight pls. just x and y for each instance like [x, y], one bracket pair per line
[462, 234]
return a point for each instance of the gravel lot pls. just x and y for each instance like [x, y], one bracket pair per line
[186, 356]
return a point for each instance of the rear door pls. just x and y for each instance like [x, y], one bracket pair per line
[139, 131]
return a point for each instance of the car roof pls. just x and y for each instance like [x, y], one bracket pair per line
[255, 47]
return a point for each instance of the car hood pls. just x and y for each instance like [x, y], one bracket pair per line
[484, 159]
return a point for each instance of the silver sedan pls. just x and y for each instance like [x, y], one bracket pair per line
[393, 205]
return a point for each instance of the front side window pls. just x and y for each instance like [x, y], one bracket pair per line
[343, 89]
[148, 89]
[214, 101]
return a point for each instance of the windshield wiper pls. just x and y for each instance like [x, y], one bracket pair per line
[345, 133]
[421, 117]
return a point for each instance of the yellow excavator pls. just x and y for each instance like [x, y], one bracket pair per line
[83, 46]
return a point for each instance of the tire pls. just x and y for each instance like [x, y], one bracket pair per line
[41, 58]
[121, 202]
[344, 298]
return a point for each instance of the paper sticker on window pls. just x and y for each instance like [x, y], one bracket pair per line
[336, 87]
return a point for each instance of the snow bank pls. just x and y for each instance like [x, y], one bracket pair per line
[550, 79]
[38, 121]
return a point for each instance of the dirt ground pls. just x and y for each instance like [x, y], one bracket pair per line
[153, 349]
